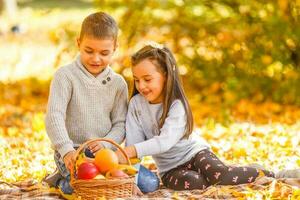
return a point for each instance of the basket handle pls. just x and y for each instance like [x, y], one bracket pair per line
[81, 147]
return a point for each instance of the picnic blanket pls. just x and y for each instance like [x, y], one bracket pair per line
[280, 188]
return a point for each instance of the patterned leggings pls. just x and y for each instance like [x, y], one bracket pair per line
[205, 169]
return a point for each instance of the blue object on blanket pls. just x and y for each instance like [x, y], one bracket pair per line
[147, 180]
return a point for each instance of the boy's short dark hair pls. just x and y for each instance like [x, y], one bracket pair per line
[99, 25]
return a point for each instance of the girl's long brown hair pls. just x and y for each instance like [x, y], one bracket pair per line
[165, 62]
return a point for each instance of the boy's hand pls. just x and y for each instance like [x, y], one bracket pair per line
[95, 146]
[69, 159]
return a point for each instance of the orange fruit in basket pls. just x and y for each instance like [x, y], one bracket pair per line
[105, 160]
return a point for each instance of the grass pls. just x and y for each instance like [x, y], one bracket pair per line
[56, 4]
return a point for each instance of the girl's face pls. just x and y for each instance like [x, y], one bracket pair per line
[149, 81]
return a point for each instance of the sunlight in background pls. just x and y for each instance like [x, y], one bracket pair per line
[41, 45]
[239, 62]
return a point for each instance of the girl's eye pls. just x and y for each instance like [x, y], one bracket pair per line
[105, 53]
[136, 81]
[147, 80]
[89, 52]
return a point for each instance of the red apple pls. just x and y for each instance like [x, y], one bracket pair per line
[87, 170]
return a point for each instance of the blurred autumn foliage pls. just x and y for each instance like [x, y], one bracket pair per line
[239, 61]
[232, 54]
[237, 49]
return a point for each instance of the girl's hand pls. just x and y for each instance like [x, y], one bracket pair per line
[121, 158]
[69, 159]
[130, 151]
[95, 146]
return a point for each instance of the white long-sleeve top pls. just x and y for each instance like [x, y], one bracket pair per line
[166, 145]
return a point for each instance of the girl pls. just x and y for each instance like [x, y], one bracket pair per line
[159, 123]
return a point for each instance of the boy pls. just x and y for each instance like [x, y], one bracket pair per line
[87, 99]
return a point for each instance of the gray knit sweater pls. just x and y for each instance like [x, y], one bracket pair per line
[166, 145]
[83, 107]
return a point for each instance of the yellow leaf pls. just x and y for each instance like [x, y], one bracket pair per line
[239, 152]
[298, 162]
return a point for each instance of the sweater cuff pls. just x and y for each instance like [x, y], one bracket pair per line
[65, 149]
[146, 148]
[139, 150]
[108, 145]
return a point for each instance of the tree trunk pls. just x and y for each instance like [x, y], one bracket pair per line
[10, 7]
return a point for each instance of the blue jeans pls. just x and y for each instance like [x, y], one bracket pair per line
[63, 183]
[147, 181]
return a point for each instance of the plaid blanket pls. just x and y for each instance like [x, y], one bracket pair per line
[28, 190]
[280, 188]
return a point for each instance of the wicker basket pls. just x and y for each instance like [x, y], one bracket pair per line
[92, 189]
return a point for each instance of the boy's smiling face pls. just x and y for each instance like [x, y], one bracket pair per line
[95, 53]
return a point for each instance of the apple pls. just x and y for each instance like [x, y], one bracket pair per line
[116, 173]
[87, 170]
